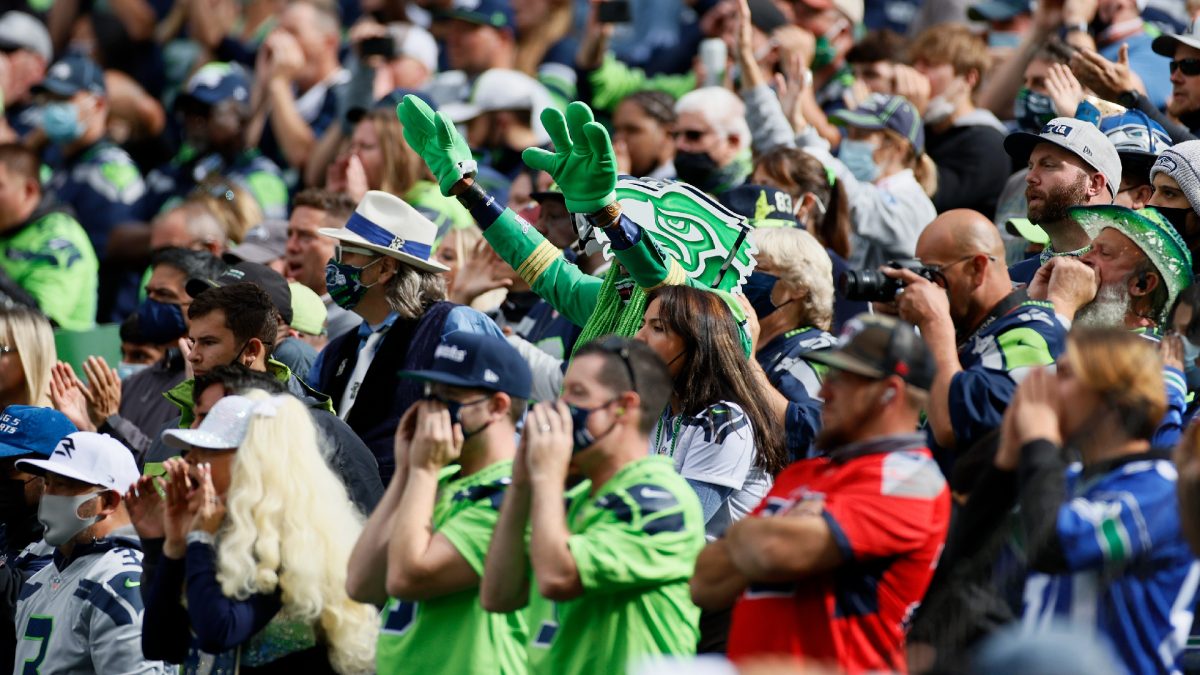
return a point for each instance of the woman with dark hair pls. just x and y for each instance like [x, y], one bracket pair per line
[642, 134]
[821, 208]
[719, 427]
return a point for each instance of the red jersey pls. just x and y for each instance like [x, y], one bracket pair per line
[888, 507]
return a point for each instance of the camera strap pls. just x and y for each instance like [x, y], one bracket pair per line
[1008, 304]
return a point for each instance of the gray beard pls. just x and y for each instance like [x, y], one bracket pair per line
[1107, 310]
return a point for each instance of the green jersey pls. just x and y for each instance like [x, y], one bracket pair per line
[453, 634]
[635, 544]
[52, 258]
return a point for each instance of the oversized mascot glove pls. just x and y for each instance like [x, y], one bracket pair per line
[583, 163]
[435, 139]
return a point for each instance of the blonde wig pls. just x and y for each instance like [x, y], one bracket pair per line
[290, 525]
[801, 261]
[27, 331]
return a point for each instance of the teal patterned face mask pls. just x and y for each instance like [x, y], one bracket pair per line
[344, 283]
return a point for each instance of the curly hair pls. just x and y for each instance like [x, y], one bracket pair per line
[802, 262]
[293, 530]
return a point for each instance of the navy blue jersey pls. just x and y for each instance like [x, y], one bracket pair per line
[101, 184]
[799, 381]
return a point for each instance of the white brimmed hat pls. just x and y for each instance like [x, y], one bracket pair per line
[95, 459]
[384, 223]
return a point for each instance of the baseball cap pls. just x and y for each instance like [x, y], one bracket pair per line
[264, 277]
[998, 10]
[308, 312]
[1165, 44]
[763, 206]
[503, 89]
[223, 428]
[217, 82]
[475, 361]
[390, 101]
[1026, 229]
[71, 75]
[495, 13]
[879, 346]
[766, 16]
[851, 9]
[883, 111]
[416, 43]
[19, 30]
[263, 243]
[30, 430]
[88, 457]
[1138, 140]
[1081, 138]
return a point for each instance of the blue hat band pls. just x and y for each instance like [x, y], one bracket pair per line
[380, 237]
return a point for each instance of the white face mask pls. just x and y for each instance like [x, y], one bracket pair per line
[942, 106]
[60, 516]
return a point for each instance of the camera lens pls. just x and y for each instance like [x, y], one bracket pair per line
[869, 285]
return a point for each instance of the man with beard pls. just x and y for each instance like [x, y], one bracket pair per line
[26, 432]
[1071, 163]
[869, 515]
[1141, 265]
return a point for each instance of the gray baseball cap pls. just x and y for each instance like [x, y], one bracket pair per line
[1083, 139]
[19, 30]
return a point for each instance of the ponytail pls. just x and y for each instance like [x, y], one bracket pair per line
[925, 171]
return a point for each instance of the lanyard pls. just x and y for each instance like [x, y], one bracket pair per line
[675, 424]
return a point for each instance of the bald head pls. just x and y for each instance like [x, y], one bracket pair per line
[960, 233]
[187, 226]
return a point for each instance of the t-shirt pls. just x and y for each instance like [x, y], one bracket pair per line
[716, 446]
[635, 544]
[888, 507]
[452, 633]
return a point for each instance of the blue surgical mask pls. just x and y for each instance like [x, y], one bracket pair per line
[859, 157]
[344, 283]
[61, 122]
[160, 322]
[1003, 39]
[128, 370]
[1033, 110]
[757, 289]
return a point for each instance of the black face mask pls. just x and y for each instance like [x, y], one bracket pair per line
[19, 521]
[1177, 217]
[697, 168]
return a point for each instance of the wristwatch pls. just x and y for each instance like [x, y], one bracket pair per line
[1077, 27]
[1128, 99]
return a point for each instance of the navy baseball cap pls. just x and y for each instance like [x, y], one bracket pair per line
[494, 13]
[882, 111]
[475, 361]
[998, 10]
[390, 101]
[29, 430]
[71, 75]
[763, 206]
[217, 82]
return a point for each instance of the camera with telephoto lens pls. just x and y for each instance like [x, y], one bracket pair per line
[870, 285]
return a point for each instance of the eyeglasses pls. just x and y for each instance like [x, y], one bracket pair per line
[620, 349]
[940, 270]
[692, 135]
[339, 250]
[1189, 67]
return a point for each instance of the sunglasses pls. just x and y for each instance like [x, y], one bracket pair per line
[692, 135]
[1189, 67]
[620, 349]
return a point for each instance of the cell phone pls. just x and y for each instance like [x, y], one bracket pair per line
[378, 46]
[714, 54]
[614, 11]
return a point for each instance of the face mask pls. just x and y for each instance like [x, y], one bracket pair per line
[21, 525]
[61, 122]
[859, 157]
[582, 438]
[344, 283]
[824, 54]
[696, 168]
[160, 322]
[1033, 110]
[1177, 217]
[757, 290]
[939, 110]
[128, 370]
[60, 515]
[455, 409]
[1003, 40]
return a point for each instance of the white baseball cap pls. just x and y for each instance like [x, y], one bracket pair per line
[416, 43]
[502, 89]
[1081, 138]
[225, 425]
[96, 459]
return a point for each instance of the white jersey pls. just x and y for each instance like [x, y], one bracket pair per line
[717, 446]
[86, 618]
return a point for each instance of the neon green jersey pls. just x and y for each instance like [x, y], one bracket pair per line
[635, 544]
[453, 634]
[52, 259]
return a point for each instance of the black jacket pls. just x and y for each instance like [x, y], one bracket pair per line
[971, 167]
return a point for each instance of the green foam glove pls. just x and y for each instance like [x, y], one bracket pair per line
[583, 163]
[435, 139]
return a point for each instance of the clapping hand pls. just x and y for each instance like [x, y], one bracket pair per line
[583, 162]
[145, 506]
[208, 507]
[180, 510]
